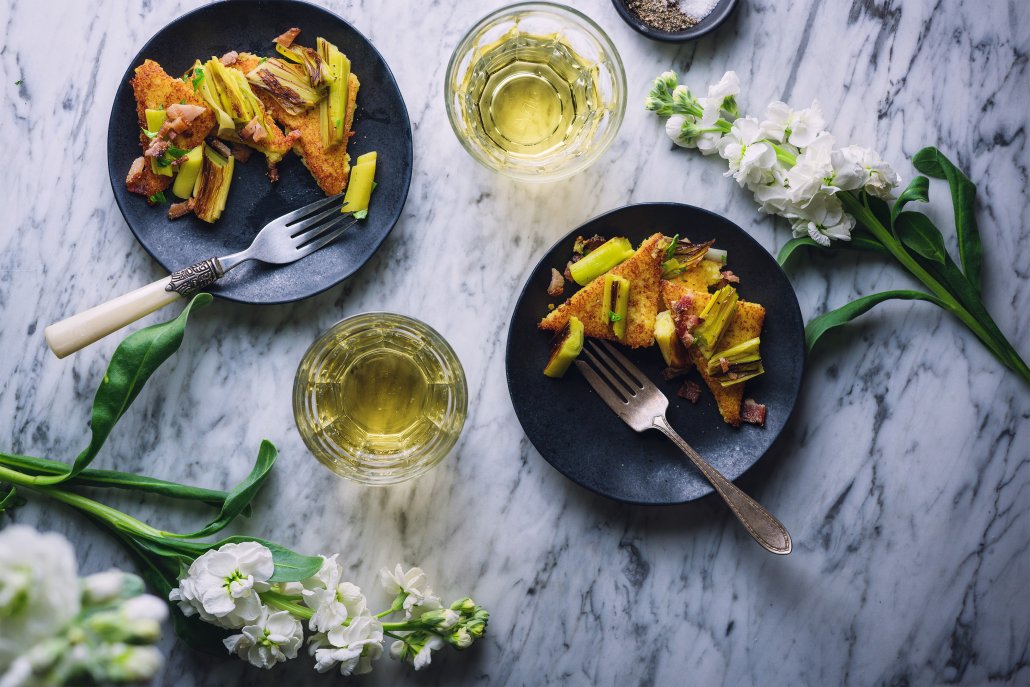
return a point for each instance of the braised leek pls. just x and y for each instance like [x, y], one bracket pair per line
[288, 83]
[737, 363]
[212, 186]
[600, 260]
[715, 319]
[332, 112]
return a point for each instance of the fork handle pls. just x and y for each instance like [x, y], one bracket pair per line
[760, 523]
[78, 331]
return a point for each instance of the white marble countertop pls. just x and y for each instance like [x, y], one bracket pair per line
[903, 476]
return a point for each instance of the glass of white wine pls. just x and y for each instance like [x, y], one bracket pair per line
[536, 91]
[380, 398]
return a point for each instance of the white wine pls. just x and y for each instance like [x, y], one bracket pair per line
[376, 393]
[531, 95]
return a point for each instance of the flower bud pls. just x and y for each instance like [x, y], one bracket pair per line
[103, 587]
[465, 605]
[667, 80]
[460, 638]
[131, 663]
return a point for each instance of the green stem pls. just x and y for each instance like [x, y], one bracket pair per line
[283, 603]
[116, 518]
[89, 477]
[853, 205]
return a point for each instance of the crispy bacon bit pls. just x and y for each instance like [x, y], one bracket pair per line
[241, 153]
[273, 171]
[220, 147]
[557, 285]
[135, 176]
[157, 148]
[753, 413]
[253, 131]
[729, 277]
[286, 38]
[725, 365]
[690, 391]
[684, 320]
[177, 210]
[172, 128]
[185, 111]
[670, 373]
[229, 58]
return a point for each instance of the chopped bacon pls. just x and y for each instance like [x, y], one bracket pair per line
[684, 320]
[753, 413]
[135, 176]
[725, 365]
[172, 128]
[273, 171]
[222, 149]
[158, 147]
[286, 38]
[185, 111]
[690, 391]
[568, 269]
[254, 131]
[230, 58]
[729, 277]
[241, 153]
[177, 210]
[674, 372]
[557, 285]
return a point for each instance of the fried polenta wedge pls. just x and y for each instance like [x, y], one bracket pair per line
[643, 270]
[329, 166]
[746, 325]
[156, 90]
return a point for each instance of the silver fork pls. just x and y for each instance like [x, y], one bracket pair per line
[285, 239]
[640, 404]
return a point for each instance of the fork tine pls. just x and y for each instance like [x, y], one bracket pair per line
[624, 390]
[310, 208]
[603, 390]
[299, 228]
[326, 238]
[602, 353]
[632, 370]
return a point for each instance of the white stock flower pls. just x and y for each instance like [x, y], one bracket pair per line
[353, 647]
[223, 585]
[751, 160]
[823, 219]
[129, 663]
[413, 583]
[859, 167]
[797, 127]
[332, 600]
[400, 650]
[674, 128]
[272, 638]
[811, 172]
[39, 588]
[723, 94]
[104, 586]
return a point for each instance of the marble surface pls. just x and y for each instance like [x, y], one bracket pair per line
[903, 477]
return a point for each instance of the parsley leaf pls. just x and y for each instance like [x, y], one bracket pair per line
[176, 153]
[158, 197]
[198, 76]
[263, 60]
[149, 134]
[18, 82]
[671, 250]
[361, 214]
[614, 316]
[338, 123]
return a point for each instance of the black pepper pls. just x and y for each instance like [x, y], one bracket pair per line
[664, 15]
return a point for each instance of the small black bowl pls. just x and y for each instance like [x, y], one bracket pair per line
[715, 18]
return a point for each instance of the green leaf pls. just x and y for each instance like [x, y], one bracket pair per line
[917, 189]
[11, 499]
[112, 478]
[918, 233]
[815, 329]
[132, 364]
[857, 242]
[241, 496]
[878, 206]
[933, 163]
[290, 566]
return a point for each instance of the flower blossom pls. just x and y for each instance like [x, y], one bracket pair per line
[352, 647]
[864, 168]
[223, 585]
[332, 600]
[420, 597]
[751, 159]
[797, 127]
[416, 648]
[273, 638]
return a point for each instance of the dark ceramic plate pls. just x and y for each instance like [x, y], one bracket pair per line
[579, 435]
[712, 21]
[380, 124]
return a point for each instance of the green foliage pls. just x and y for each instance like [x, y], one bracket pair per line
[918, 233]
[818, 326]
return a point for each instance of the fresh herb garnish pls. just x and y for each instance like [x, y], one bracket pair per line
[183, 101]
[338, 123]
[671, 250]
[263, 60]
[162, 161]
[18, 82]
[198, 76]
[176, 153]
[614, 316]
[158, 197]
[361, 214]
[149, 134]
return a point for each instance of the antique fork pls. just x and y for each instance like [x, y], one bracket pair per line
[640, 404]
[284, 240]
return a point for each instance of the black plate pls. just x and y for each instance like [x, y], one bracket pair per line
[380, 124]
[580, 436]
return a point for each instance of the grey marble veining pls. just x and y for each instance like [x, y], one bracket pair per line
[904, 476]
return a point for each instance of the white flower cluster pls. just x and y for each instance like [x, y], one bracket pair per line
[786, 159]
[230, 587]
[57, 629]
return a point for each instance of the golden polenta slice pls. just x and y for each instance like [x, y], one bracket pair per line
[643, 269]
[154, 89]
[747, 324]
